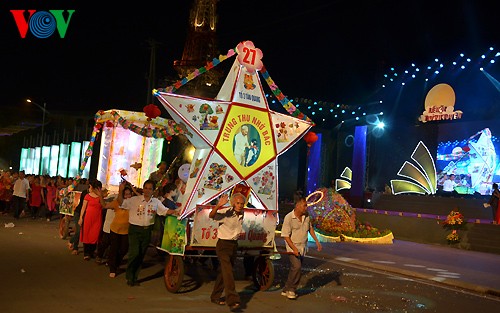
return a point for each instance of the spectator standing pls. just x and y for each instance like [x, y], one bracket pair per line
[296, 226]
[5, 192]
[37, 197]
[20, 195]
[142, 211]
[51, 199]
[449, 186]
[494, 201]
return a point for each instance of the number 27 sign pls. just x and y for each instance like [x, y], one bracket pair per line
[249, 56]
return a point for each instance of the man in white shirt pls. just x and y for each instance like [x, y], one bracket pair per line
[142, 211]
[230, 221]
[20, 195]
[296, 226]
[449, 185]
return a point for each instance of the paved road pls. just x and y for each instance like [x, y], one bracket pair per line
[38, 274]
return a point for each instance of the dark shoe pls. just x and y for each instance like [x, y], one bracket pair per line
[218, 301]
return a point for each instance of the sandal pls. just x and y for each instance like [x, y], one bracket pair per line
[234, 307]
[218, 302]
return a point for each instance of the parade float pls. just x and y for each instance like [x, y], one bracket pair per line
[237, 140]
[131, 146]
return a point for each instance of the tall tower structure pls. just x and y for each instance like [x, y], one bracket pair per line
[200, 47]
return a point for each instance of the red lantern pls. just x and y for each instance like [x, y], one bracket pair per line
[152, 111]
[310, 138]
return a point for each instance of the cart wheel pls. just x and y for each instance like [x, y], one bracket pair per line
[264, 273]
[174, 273]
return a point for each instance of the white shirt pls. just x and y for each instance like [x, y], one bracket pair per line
[449, 185]
[21, 188]
[106, 226]
[142, 212]
[297, 231]
[230, 224]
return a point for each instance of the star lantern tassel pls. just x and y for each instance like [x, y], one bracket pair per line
[310, 138]
[152, 111]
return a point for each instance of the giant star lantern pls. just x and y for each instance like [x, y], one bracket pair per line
[224, 156]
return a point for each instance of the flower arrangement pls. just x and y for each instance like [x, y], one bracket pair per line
[454, 222]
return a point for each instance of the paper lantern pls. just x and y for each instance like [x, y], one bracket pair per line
[152, 111]
[310, 138]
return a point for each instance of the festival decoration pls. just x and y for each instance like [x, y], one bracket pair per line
[249, 56]
[310, 138]
[152, 111]
[345, 181]
[425, 182]
[332, 216]
[128, 120]
[454, 221]
[440, 104]
[136, 166]
[238, 115]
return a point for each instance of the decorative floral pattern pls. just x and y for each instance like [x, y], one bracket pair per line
[454, 221]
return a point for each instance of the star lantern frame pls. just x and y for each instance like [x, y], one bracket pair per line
[215, 129]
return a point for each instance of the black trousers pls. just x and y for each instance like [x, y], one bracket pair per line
[19, 204]
[226, 253]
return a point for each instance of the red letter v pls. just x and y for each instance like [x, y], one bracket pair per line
[22, 24]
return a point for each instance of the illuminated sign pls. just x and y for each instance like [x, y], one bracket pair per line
[439, 105]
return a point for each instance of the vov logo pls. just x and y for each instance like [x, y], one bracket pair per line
[42, 24]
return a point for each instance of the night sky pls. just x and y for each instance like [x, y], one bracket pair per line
[332, 51]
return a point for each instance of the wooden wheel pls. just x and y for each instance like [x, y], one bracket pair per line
[264, 273]
[174, 273]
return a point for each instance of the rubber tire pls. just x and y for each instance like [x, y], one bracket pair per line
[174, 273]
